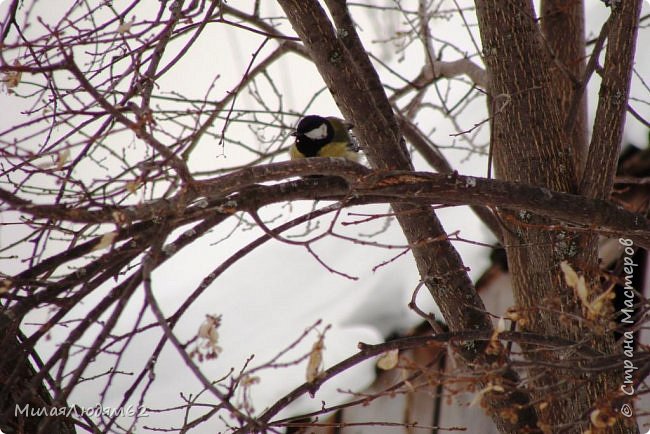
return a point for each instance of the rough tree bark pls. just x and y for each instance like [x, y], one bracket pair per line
[534, 83]
[563, 26]
[528, 73]
[536, 73]
[346, 69]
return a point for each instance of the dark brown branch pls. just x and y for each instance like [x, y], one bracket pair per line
[362, 183]
[612, 103]
[583, 352]
[440, 163]
[578, 94]
[137, 127]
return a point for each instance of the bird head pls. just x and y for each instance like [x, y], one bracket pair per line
[314, 128]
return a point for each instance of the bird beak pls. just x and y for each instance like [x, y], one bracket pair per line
[348, 125]
[295, 133]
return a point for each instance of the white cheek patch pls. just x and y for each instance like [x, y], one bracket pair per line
[317, 133]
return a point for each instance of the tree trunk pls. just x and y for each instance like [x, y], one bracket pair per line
[355, 86]
[531, 93]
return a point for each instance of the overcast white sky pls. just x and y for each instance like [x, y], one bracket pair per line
[272, 295]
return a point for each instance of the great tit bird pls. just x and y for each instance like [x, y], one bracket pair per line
[318, 136]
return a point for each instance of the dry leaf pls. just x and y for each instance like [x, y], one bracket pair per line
[487, 389]
[119, 218]
[577, 283]
[5, 285]
[388, 360]
[208, 329]
[501, 325]
[570, 276]
[106, 241]
[315, 363]
[11, 79]
[208, 336]
[132, 186]
[125, 27]
[62, 158]
[594, 308]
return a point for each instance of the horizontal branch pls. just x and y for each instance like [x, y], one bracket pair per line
[362, 183]
[592, 214]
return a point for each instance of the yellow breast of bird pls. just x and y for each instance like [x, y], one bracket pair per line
[338, 149]
[294, 153]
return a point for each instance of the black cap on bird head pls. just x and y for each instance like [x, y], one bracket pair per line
[312, 133]
[316, 128]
